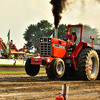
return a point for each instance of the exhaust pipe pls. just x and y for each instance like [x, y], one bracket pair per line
[56, 33]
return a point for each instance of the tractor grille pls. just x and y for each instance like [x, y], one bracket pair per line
[46, 48]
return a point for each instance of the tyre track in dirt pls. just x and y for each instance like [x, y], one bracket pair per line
[23, 87]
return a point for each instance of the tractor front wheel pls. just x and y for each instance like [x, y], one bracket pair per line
[31, 70]
[56, 68]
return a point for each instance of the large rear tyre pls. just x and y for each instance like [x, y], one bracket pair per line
[88, 63]
[31, 70]
[56, 69]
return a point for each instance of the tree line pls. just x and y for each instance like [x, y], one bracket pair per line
[46, 29]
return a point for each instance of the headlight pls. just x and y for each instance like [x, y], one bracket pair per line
[41, 39]
[69, 55]
[49, 39]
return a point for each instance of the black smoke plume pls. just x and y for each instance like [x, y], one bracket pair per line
[57, 9]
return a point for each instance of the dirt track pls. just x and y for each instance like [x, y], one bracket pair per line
[16, 69]
[23, 87]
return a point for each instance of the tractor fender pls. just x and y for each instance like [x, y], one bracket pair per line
[80, 46]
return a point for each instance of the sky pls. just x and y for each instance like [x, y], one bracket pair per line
[17, 15]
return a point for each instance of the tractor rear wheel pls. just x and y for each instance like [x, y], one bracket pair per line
[31, 70]
[88, 63]
[56, 68]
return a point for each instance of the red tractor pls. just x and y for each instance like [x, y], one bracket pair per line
[60, 61]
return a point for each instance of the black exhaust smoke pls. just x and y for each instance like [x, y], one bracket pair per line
[57, 9]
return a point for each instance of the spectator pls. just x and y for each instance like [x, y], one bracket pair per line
[1, 52]
[12, 56]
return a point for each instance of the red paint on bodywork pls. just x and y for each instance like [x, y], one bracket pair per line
[36, 61]
[59, 52]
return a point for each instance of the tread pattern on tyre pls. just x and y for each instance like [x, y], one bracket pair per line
[99, 67]
[83, 64]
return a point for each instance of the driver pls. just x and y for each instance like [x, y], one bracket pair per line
[69, 38]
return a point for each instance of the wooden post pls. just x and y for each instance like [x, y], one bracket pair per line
[64, 89]
[64, 93]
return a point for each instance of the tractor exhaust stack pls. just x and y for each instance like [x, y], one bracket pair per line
[56, 33]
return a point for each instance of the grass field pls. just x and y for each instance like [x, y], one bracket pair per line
[8, 65]
[17, 72]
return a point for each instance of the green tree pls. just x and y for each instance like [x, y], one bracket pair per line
[29, 34]
[87, 32]
[35, 31]
[61, 31]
